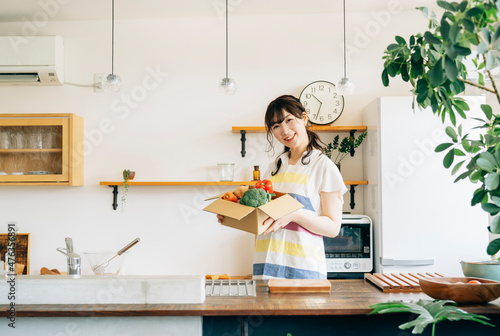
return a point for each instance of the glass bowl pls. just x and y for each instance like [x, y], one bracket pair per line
[100, 262]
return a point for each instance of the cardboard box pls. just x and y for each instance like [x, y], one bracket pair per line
[250, 219]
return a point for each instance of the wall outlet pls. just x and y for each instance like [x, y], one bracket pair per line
[98, 79]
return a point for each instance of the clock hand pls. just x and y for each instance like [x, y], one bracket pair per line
[320, 103]
[316, 98]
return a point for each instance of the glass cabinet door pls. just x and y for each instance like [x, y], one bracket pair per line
[34, 150]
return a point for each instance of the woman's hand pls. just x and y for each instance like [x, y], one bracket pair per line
[279, 223]
[220, 218]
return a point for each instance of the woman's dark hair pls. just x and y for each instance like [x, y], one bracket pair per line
[275, 114]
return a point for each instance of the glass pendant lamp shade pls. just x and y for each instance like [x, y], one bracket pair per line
[345, 86]
[227, 86]
[112, 83]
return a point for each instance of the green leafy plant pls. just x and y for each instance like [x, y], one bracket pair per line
[429, 312]
[127, 175]
[434, 63]
[338, 151]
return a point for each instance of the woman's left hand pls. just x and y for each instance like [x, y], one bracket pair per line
[279, 223]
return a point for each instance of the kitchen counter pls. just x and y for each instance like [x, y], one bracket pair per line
[347, 297]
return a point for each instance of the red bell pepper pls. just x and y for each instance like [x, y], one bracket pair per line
[266, 185]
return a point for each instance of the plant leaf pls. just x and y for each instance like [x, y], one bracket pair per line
[457, 167]
[485, 164]
[474, 11]
[492, 181]
[491, 208]
[451, 133]
[493, 247]
[482, 48]
[450, 69]
[495, 224]
[442, 147]
[488, 111]
[430, 38]
[448, 159]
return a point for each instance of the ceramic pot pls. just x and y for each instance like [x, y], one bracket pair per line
[489, 269]
[131, 175]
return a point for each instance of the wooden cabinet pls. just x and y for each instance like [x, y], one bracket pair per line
[41, 149]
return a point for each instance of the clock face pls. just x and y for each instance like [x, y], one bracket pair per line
[322, 102]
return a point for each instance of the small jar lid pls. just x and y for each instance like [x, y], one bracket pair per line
[256, 167]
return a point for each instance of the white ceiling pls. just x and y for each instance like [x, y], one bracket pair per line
[62, 10]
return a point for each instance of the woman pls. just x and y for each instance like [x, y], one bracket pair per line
[292, 247]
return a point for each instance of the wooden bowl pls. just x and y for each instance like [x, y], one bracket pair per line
[452, 289]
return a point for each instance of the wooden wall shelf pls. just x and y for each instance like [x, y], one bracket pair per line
[315, 128]
[243, 130]
[115, 184]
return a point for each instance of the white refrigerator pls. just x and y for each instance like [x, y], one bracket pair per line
[423, 222]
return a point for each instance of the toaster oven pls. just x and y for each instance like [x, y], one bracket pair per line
[350, 254]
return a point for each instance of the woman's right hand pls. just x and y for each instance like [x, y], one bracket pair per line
[220, 218]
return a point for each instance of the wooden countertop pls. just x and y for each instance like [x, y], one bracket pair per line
[347, 297]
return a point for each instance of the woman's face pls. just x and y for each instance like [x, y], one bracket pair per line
[291, 132]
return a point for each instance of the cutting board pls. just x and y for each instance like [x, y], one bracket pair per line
[299, 286]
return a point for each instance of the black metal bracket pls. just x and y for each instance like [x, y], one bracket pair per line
[351, 140]
[115, 196]
[352, 191]
[243, 139]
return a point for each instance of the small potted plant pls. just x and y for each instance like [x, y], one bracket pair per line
[338, 151]
[127, 175]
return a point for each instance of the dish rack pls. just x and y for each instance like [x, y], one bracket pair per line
[231, 287]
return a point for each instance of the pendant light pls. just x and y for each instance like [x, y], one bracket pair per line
[344, 86]
[227, 85]
[112, 81]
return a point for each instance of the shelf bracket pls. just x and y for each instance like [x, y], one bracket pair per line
[243, 139]
[352, 191]
[115, 196]
[351, 140]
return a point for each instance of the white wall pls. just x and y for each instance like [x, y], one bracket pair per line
[181, 128]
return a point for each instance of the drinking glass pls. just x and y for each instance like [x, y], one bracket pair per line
[226, 172]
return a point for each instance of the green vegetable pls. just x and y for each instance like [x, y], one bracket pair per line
[429, 311]
[254, 197]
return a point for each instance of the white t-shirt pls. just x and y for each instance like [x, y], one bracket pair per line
[293, 252]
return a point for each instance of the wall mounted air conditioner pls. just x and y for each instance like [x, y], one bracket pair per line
[31, 60]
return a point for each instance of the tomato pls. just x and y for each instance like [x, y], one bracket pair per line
[474, 282]
[459, 282]
[266, 185]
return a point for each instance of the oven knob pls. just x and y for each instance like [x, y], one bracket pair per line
[347, 265]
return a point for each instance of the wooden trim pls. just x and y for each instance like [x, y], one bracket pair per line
[194, 183]
[315, 128]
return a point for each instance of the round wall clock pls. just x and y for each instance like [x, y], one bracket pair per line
[322, 102]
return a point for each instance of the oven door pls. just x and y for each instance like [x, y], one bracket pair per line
[350, 253]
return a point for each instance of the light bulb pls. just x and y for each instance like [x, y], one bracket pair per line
[112, 83]
[345, 87]
[227, 86]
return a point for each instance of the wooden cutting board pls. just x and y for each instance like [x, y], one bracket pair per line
[299, 286]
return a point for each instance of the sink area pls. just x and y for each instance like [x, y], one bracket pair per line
[106, 289]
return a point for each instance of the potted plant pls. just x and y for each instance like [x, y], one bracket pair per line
[433, 62]
[127, 175]
[338, 151]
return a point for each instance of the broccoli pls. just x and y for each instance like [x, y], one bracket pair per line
[254, 197]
